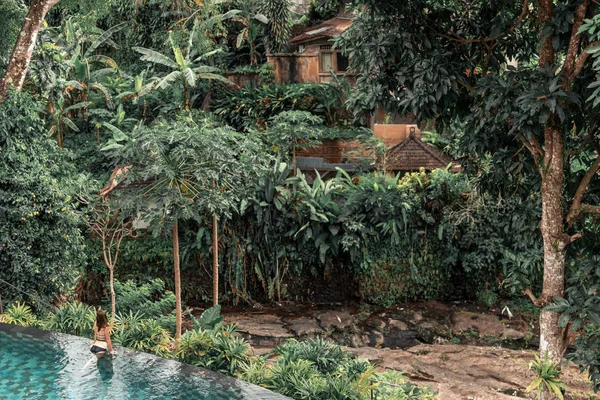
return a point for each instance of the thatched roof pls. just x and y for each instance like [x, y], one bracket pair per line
[413, 154]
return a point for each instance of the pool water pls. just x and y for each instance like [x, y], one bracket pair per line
[35, 364]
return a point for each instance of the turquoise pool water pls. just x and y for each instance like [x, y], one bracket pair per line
[36, 364]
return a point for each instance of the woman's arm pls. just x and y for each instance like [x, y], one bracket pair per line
[108, 342]
[95, 332]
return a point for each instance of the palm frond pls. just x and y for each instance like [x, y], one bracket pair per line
[167, 80]
[70, 124]
[206, 69]
[104, 60]
[77, 106]
[107, 96]
[155, 57]
[103, 38]
[261, 17]
[207, 55]
[189, 76]
[216, 77]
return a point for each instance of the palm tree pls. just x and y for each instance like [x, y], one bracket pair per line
[251, 22]
[185, 70]
[61, 115]
[140, 89]
[280, 23]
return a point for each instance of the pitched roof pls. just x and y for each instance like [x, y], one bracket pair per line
[413, 154]
[325, 30]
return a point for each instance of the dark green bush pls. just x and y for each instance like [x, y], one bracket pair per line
[142, 334]
[150, 300]
[41, 246]
[218, 349]
[74, 318]
[252, 107]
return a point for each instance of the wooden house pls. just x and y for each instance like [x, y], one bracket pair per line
[311, 57]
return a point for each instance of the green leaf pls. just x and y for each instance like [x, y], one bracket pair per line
[211, 318]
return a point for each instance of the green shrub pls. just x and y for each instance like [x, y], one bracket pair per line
[252, 106]
[318, 370]
[19, 314]
[74, 318]
[150, 300]
[391, 385]
[547, 380]
[141, 334]
[218, 349]
[209, 320]
[326, 357]
[487, 298]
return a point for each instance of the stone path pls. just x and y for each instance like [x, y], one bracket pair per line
[451, 348]
[460, 372]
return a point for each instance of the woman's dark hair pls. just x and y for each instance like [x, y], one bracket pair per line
[101, 320]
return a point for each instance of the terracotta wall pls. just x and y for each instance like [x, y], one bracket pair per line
[392, 134]
[242, 79]
[295, 68]
[335, 151]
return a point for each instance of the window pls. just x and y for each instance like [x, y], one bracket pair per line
[326, 61]
[332, 59]
[342, 62]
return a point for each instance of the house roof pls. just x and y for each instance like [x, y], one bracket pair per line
[325, 30]
[413, 154]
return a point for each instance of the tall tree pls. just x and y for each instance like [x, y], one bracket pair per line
[180, 172]
[21, 54]
[452, 61]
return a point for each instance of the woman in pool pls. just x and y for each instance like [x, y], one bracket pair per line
[102, 342]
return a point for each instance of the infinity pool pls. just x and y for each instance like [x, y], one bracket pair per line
[35, 364]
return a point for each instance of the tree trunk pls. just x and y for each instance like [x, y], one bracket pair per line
[552, 229]
[113, 296]
[215, 241]
[21, 54]
[551, 225]
[176, 268]
[186, 98]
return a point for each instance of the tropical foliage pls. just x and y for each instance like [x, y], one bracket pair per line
[133, 97]
[41, 243]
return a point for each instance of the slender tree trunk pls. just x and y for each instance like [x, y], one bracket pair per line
[215, 241]
[552, 228]
[294, 160]
[176, 267]
[551, 225]
[21, 54]
[186, 98]
[113, 296]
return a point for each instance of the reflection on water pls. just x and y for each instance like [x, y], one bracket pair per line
[105, 369]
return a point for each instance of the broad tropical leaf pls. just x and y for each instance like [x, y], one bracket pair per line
[155, 57]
